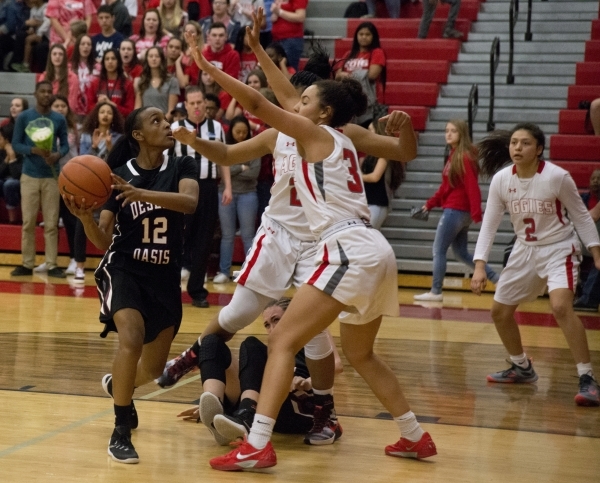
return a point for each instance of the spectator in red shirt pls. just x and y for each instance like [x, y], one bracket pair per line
[460, 197]
[151, 34]
[366, 63]
[288, 27]
[61, 13]
[64, 81]
[131, 64]
[112, 85]
[219, 53]
[248, 60]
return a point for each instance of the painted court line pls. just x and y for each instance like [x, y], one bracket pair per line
[84, 421]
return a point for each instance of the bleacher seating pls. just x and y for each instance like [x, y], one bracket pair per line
[574, 148]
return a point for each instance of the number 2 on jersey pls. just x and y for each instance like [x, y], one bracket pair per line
[355, 185]
[158, 230]
[530, 230]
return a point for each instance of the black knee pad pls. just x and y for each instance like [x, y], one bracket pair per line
[214, 357]
[253, 359]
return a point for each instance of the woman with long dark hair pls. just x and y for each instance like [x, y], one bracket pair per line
[549, 218]
[460, 198]
[139, 277]
[64, 81]
[101, 129]
[83, 63]
[131, 64]
[17, 106]
[365, 62]
[151, 34]
[155, 87]
[112, 85]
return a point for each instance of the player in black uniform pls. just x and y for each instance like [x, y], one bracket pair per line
[141, 229]
[231, 387]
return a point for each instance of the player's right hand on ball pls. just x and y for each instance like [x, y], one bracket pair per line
[81, 211]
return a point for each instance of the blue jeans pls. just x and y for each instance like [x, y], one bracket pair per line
[11, 190]
[378, 215]
[590, 295]
[393, 8]
[243, 207]
[293, 50]
[453, 229]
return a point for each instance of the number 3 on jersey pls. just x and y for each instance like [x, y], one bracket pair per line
[355, 185]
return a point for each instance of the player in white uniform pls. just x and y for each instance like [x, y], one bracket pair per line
[284, 248]
[353, 264]
[547, 214]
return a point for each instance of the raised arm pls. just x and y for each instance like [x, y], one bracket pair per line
[314, 142]
[229, 154]
[398, 123]
[284, 91]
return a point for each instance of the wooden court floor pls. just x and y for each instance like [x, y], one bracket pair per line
[56, 419]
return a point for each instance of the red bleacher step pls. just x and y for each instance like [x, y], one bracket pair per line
[572, 121]
[580, 171]
[572, 147]
[418, 71]
[469, 9]
[596, 29]
[412, 93]
[410, 49]
[395, 28]
[576, 94]
[592, 51]
[587, 73]
[418, 115]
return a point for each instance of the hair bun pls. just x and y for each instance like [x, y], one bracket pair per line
[355, 91]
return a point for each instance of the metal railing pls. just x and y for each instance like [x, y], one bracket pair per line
[513, 15]
[528, 34]
[472, 106]
[494, 61]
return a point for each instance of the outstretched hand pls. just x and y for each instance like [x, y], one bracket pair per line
[190, 414]
[253, 34]
[196, 45]
[184, 135]
[395, 122]
[128, 193]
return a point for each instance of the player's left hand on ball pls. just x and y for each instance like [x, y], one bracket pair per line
[80, 211]
[190, 414]
[395, 121]
[128, 192]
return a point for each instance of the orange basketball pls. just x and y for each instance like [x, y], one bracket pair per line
[86, 177]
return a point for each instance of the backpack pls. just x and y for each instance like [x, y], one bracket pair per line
[356, 10]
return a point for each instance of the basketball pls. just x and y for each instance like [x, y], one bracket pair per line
[86, 177]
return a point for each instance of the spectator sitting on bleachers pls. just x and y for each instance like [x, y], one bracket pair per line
[248, 60]
[186, 60]
[366, 63]
[62, 14]
[39, 183]
[37, 29]
[130, 5]
[64, 81]
[13, 14]
[84, 65]
[429, 7]
[221, 16]
[288, 27]
[213, 107]
[10, 173]
[17, 105]
[131, 64]
[241, 11]
[151, 34]
[173, 17]
[277, 54]
[155, 87]
[595, 116]
[590, 293]
[108, 38]
[112, 85]
[393, 7]
[243, 205]
[101, 129]
[123, 19]
[174, 54]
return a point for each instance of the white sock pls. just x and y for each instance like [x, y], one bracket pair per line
[324, 392]
[261, 431]
[409, 426]
[520, 360]
[585, 369]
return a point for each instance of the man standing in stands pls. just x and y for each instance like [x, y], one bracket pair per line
[39, 183]
[200, 226]
[429, 7]
[109, 38]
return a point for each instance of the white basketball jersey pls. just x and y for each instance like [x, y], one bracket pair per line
[284, 206]
[332, 190]
[544, 209]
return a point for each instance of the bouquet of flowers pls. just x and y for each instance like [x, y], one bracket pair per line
[41, 132]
